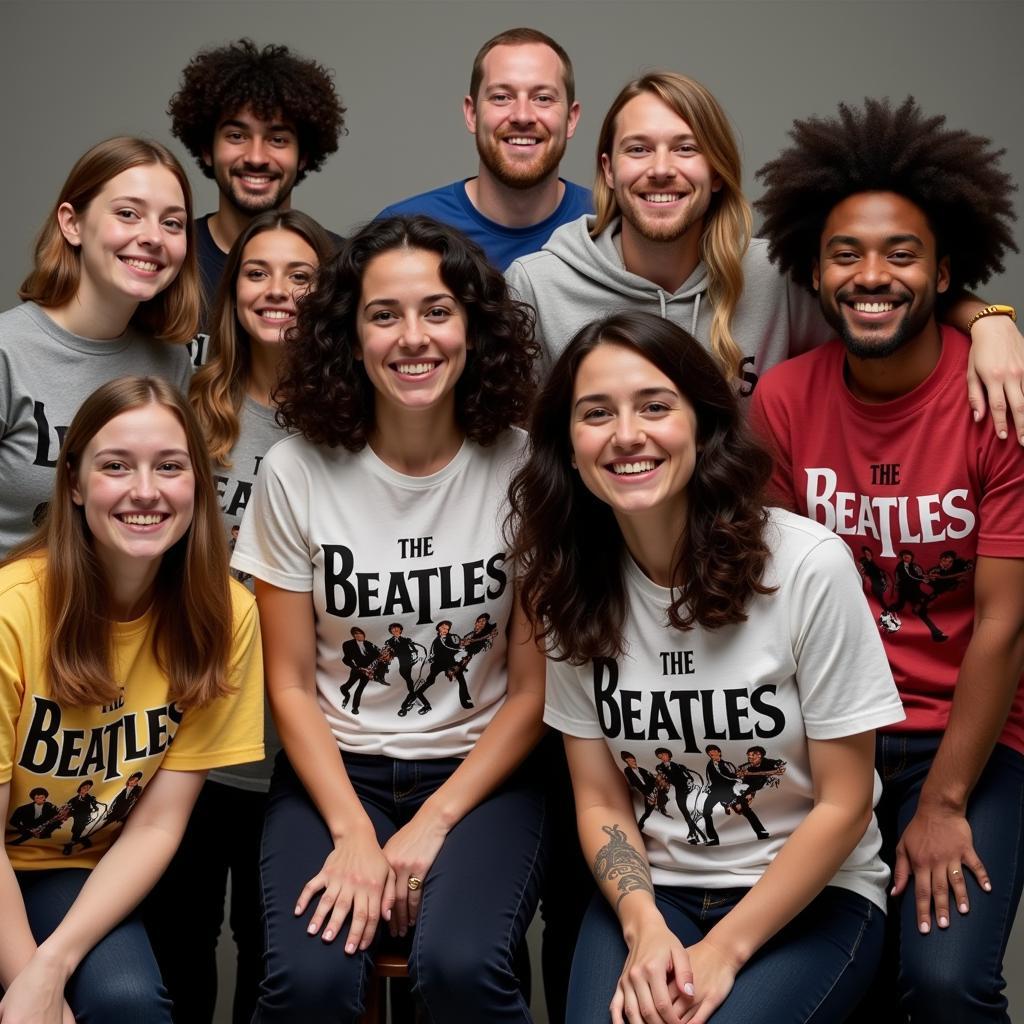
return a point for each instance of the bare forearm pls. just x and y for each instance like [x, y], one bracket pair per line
[313, 753]
[985, 687]
[18, 945]
[504, 744]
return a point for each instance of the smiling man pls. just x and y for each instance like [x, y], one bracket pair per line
[257, 122]
[885, 213]
[522, 110]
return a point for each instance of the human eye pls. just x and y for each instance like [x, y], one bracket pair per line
[635, 149]
[545, 99]
[500, 97]
[234, 135]
[301, 277]
[595, 414]
[126, 213]
[171, 466]
[688, 148]
[114, 466]
[902, 256]
[844, 256]
[438, 313]
[281, 141]
[174, 224]
[255, 274]
[657, 407]
[383, 316]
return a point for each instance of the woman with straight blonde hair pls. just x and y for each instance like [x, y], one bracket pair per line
[120, 634]
[113, 286]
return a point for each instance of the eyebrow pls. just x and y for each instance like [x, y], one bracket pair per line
[890, 240]
[642, 393]
[232, 123]
[439, 297]
[266, 263]
[645, 137]
[537, 87]
[138, 201]
[125, 453]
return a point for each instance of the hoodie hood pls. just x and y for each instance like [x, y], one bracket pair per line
[599, 260]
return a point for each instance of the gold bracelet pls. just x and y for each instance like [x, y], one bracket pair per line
[996, 310]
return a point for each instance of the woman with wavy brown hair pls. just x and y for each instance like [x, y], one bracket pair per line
[120, 634]
[381, 515]
[113, 287]
[683, 616]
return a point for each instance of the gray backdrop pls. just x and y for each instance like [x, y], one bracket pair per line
[74, 72]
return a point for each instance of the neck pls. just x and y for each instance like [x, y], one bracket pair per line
[229, 221]
[653, 540]
[131, 588]
[666, 264]
[100, 318]
[884, 380]
[514, 207]
[416, 442]
[264, 365]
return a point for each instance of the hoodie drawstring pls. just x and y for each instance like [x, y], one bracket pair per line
[696, 313]
[664, 308]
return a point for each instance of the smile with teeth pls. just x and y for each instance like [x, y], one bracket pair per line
[413, 369]
[276, 314]
[142, 518]
[138, 264]
[660, 197]
[874, 307]
[520, 140]
[256, 179]
[632, 468]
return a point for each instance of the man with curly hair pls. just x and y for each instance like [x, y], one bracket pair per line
[885, 212]
[257, 122]
[522, 110]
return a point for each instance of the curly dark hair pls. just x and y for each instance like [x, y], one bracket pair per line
[953, 176]
[219, 83]
[324, 392]
[567, 542]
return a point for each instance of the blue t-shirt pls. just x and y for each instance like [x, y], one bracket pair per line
[450, 205]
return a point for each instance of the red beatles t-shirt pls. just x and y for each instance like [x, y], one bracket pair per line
[918, 491]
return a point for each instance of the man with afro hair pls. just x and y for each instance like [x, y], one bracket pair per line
[257, 122]
[885, 212]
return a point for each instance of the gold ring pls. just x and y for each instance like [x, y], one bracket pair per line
[955, 872]
[414, 883]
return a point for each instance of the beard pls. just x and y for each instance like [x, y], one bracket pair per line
[518, 174]
[876, 345]
[660, 230]
[235, 192]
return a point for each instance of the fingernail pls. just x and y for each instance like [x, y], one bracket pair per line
[987, 886]
[924, 927]
[688, 988]
[298, 910]
[350, 948]
[963, 908]
[976, 415]
[311, 929]
[943, 922]
[1002, 435]
[328, 935]
[387, 915]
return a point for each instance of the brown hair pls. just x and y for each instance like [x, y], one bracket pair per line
[192, 600]
[728, 223]
[568, 542]
[522, 37]
[173, 314]
[217, 389]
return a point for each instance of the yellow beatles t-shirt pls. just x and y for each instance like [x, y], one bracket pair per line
[76, 773]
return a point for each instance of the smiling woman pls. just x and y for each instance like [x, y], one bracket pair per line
[119, 634]
[114, 271]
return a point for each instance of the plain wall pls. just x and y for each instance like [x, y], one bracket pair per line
[75, 72]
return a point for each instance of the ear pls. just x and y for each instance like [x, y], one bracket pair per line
[716, 183]
[208, 157]
[815, 275]
[606, 170]
[302, 161]
[572, 461]
[76, 494]
[469, 113]
[68, 222]
[942, 277]
[574, 116]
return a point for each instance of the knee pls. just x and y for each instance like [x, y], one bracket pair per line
[315, 988]
[953, 988]
[121, 995]
[464, 978]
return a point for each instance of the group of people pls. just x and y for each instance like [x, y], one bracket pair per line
[651, 465]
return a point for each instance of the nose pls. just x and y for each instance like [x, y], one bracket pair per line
[873, 271]
[144, 489]
[661, 165]
[150, 233]
[522, 110]
[413, 336]
[629, 432]
[277, 286]
[256, 152]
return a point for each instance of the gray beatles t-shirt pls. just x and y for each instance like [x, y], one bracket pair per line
[46, 373]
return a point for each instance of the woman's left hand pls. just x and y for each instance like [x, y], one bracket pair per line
[36, 996]
[713, 976]
[411, 852]
[995, 371]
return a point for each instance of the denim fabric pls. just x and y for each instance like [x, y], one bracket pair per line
[478, 899]
[814, 970]
[118, 980]
[185, 910]
[955, 974]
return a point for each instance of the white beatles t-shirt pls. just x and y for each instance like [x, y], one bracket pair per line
[710, 727]
[409, 583]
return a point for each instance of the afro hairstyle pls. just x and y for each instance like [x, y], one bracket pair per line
[270, 82]
[953, 176]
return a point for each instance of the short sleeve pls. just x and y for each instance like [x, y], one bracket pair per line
[843, 676]
[272, 542]
[12, 689]
[568, 707]
[229, 730]
[769, 419]
[518, 281]
[1001, 510]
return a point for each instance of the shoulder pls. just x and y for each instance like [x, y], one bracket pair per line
[21, 582]
[444, 197]
[577, 197]
[796, 542]
[509, 449]
[791, 377]
[17, 321]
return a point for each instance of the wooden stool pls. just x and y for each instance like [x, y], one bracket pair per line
[385, 965]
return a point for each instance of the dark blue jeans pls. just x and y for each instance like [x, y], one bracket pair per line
[955, 974]
[478, 899]
[118, 980]
[814, 969]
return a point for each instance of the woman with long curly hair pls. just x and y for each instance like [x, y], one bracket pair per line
[394, 635]
[113, 285]
[129, 665]
[707, 631]
[270, 267]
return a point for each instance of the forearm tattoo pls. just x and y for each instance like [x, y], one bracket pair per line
[618, 862]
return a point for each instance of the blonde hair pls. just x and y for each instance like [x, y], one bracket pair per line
[173, 314]
[192, 600]
[217, 389]
[728, 223]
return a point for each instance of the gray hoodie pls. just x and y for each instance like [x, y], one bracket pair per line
[575, 279]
